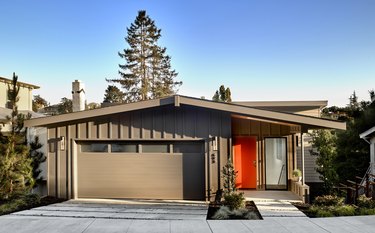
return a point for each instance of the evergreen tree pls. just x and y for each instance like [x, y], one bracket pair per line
[38, 103]
[113, 95]
[15, 164]
[222, 95]
[147, 71]
[229, 178]
[65, 106]
[343, 152]
[37, 157]
[324, 144]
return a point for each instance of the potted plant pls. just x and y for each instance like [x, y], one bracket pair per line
[297, 174]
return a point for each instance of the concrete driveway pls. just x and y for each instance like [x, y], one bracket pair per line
[122, 209]
[87, 217]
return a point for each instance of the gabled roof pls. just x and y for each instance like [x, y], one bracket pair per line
[177, 100]
[22, 84]
[368, 133]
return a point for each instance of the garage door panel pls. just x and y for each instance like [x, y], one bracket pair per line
[160, 176]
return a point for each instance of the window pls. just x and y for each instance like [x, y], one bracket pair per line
[187, 147]
[123, 147]
[160, 147]
[94, 147]
[156, 147]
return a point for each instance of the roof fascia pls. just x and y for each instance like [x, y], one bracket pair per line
[27, 85]
[367, 133]
[310, 122]
[99, 112]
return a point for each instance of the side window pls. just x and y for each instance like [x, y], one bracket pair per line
[123, 147]
[155, 147]
[94, 147]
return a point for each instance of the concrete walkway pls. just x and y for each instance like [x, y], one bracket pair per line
[275, 203]
[31, 224]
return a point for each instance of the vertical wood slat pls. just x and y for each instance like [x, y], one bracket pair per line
[176, 123]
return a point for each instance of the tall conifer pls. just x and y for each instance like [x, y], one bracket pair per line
[16, 170]
[147, 71]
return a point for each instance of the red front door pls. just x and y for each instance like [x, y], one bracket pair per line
[245, 149]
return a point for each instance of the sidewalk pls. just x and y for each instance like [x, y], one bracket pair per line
[29, 224]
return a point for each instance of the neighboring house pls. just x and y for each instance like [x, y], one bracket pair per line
[174, 147]
[369, 136]
[24, 104]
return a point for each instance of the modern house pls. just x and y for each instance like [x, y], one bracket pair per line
[175, 147]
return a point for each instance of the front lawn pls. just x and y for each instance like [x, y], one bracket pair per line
[333, 206]
[25, 202]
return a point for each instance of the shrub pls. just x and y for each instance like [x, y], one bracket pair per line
[324, 213]
[344, 210]
[242, 213]
[365, 211]
[234, 200]
[20, 202]
[365, 202]
[329, 200]
[222, 213]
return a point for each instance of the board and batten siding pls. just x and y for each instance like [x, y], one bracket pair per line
[160, 123]
[311, 175]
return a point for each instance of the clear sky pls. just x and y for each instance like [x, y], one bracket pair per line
[262, 50]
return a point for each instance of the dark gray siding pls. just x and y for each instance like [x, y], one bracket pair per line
[161, 123]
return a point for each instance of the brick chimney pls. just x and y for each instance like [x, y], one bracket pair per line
[79, 96]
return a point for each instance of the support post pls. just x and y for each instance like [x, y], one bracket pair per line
[302, 158]
[367, 185]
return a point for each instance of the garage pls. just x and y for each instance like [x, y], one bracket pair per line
[141, 169]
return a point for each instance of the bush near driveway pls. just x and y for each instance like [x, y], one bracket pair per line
[24, 202]
[331, 206]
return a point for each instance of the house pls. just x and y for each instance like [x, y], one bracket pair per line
[175, 147]
[369, 137]
[24, 103]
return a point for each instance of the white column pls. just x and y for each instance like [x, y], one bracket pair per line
[303, 158]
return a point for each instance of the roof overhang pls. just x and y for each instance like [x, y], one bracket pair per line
[22, 84]
[289, 118]
[368, 133]
[308, 103]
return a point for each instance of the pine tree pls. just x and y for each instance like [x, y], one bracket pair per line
[222, 95]
[229, 177]
[38, 157]
[147, 71]
[113, 95]
[15, 164]
[65, 106]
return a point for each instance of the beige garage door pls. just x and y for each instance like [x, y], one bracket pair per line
[152, 170]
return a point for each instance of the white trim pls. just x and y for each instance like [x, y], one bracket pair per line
[367, 133]
[75, 170]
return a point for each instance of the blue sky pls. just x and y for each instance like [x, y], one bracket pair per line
[262, 50]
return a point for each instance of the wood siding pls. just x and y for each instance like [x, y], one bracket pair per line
[262, 130]
[161, 123]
